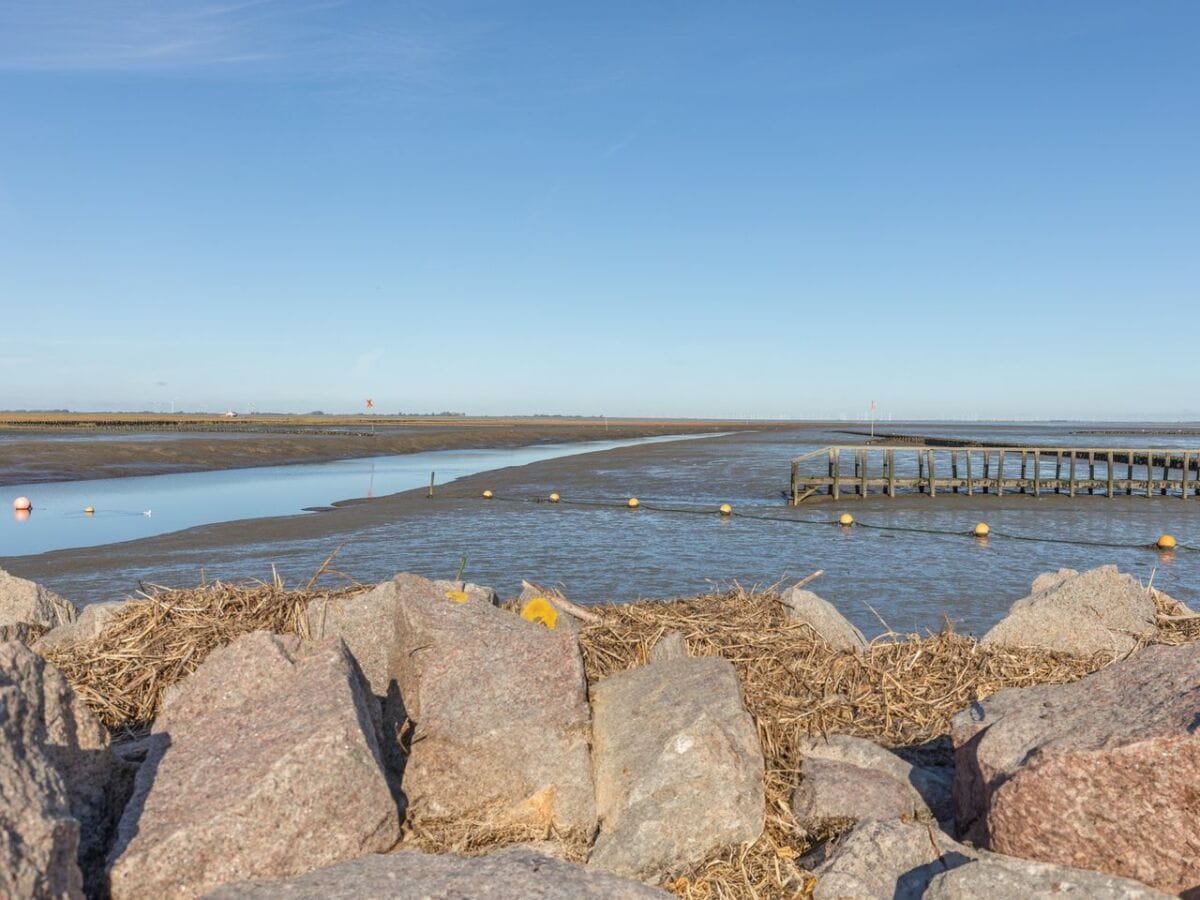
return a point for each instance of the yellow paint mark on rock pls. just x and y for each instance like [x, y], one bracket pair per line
[540, 610]
[457, 596]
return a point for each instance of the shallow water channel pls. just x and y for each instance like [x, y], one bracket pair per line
[139, 507]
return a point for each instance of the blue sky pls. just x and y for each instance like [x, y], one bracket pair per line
[954, 209]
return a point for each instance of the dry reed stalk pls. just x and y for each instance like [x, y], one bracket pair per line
[154, 641]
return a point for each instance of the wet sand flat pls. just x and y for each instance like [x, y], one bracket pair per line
[907, 577]
[35, 451]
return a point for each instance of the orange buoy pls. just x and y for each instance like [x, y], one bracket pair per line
[846, 520]
[725, 509]
[633, 503]
[89, 510]
[554, 498]
[981, 530]
[1166, 542]
[22, 503]
[487, 495]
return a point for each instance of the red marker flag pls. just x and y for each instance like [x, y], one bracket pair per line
[370, 404]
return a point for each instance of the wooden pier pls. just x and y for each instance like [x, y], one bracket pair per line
[1074, 471]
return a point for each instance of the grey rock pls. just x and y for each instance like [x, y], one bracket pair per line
[679, 767]
[39, 836]
[77, 746]
[265, 764]
[410, 874]
[24, 632]
[501, 723]
[91, 621]
[367, 624]
[832, 790]
[888, 860]
[1048, 580]
[823, 618]
[1005, 878]
[670, 646]
[933, 785]
[1099, 774]
[475, 593]
[29, 602]
[1099, 611]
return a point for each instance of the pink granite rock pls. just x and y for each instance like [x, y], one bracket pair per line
[679, 766]
[39, 837]
[512, 873]
[265, 764]
[499, 706]
[76, 745]
[1100, 774]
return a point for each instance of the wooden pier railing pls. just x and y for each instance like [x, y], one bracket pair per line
[1074, 471]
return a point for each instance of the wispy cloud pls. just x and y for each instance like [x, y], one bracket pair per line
[619, 145]
[318, 38]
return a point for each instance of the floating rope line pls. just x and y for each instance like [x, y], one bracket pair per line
[709, 510]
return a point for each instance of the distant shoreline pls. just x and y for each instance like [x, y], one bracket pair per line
[42, 456]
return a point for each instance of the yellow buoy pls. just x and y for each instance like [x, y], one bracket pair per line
[22, 504]
[633, 503]
[725, 509]
[487, 495]
[846, 520]
[981, 530]
[554, 498]
[1166, 542]
[540, 610]
[89, 509]
[458, 596]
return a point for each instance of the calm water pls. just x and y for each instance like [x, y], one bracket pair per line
[910, 580]
[131, 508]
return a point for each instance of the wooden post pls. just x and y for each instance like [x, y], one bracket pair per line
[1037, 473]
[1058, 472]
[1149, 472]
[1071, 490]
[862, 489]
[1022, 471]
[1183, 479]
[932, 486]
[837, 467]
[1164, 488]
[795, 486]
[920, 471]
[831, 471]
[970, 480]
[954, 468]
[431, 474]
[1129, 472]
[1091, 471]
[1000, 475]
[987, 462]
[1110, 466]
[892, 472]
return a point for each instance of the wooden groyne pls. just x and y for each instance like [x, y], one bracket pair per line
[1074, 471]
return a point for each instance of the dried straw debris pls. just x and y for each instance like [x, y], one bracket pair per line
[159, 638]
[901, 693]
